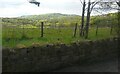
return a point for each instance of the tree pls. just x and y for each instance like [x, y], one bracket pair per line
[106, 5]
[89, 10]
[82, 23]
[112, 5]
[118, 3]
[87, 21]
[109, 5]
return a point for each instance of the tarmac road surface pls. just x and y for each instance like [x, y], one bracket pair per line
[103, 66]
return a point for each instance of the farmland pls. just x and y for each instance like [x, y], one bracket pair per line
[23, 32]
[26, 50]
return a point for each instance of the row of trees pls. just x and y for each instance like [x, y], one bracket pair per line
[106, 5]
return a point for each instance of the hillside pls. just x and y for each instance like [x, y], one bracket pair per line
[61, 19]
[50, 16]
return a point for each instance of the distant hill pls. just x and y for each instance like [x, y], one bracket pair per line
[61, 19]
[50, 16]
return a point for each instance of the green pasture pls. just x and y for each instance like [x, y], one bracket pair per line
[22, 37]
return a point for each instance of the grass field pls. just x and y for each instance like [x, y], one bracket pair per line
[19, 37]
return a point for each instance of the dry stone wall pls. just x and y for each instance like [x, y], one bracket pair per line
[50, 57]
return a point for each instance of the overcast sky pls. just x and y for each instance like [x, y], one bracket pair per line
[15, 8]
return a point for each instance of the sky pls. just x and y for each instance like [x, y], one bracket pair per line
[16, 8]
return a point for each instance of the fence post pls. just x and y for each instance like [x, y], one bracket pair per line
[75, 30]
[97, 30]
[111, 29]
[42, 29]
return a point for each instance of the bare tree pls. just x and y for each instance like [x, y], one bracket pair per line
[82, 23]
[87, 21]
[111, 5]
[89, 10]
[118, 3]
[105, 5]
[85, 29]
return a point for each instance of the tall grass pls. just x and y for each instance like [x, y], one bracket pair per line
[12, 37]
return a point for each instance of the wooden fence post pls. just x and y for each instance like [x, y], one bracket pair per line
[75, 30]
[111, 29]
[97, 30]
[42, 29]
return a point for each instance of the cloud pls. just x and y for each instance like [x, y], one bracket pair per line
[12, 8]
